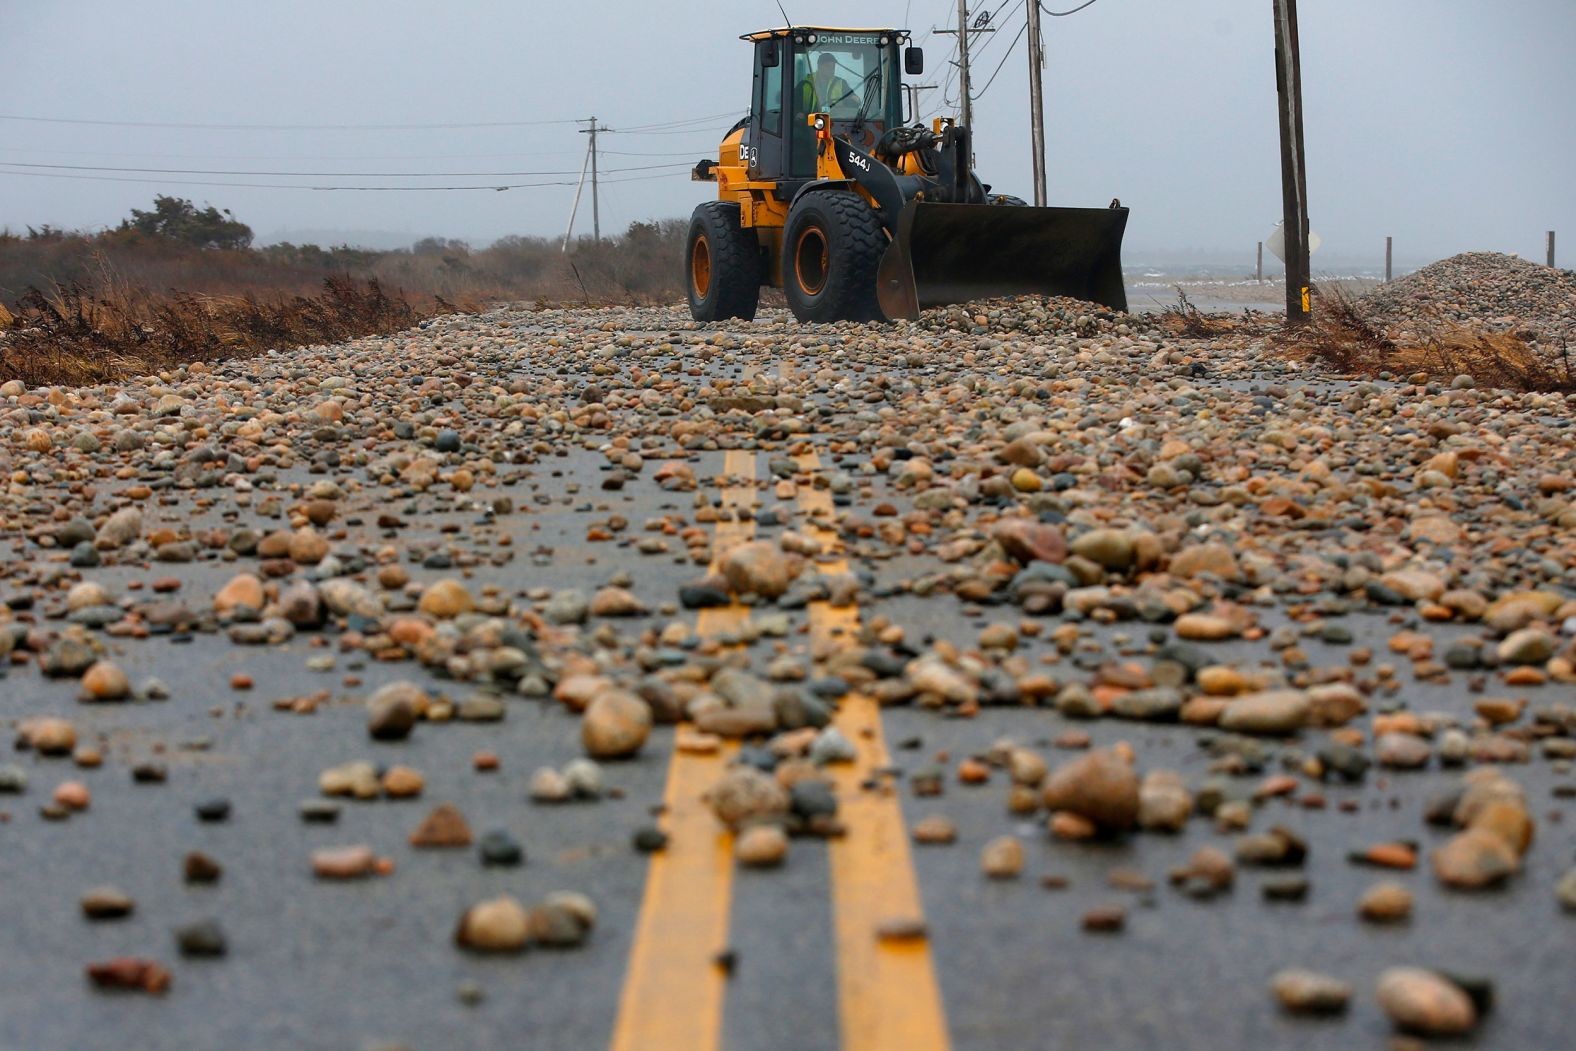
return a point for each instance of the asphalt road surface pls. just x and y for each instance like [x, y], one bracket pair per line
[318, 964]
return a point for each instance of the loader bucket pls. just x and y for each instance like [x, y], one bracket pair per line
[952, 253]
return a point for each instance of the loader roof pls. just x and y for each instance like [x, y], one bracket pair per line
[767, 34]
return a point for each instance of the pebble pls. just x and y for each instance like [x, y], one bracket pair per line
[130, 972]
[1385, 903]
[615, 725]
[205, 938]
[106, 903]
[1002, 858]
[1100, 786]
[1424, 1002]
[443, 827]
[761, 846]
[198, 867]
[496, 925]
[935, 829]
[1301, 991]
[342, 863]
[105, 681]
[50, 736]
[1277, 712]
[499, 848]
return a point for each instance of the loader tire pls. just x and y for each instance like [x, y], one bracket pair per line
[722, 264]
[832, 245]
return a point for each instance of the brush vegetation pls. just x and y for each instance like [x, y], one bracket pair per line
[177, 283]
[1342, 336]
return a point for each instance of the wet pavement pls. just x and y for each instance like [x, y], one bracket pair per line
[371, 963]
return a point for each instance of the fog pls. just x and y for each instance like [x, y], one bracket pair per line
[1441, 122]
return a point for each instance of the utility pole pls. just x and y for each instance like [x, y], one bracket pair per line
[966, 111]
[1389, 245]
[913, 91]
[965, 89]
[596, 204]
[1036, 108]
[581, 185]
[1551, 249]
[1294, 176]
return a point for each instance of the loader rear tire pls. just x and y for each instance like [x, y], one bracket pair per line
[832, 245]
[722, 264]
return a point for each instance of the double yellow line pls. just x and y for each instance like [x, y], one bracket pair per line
[888, 996]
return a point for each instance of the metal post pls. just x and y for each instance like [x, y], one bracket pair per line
[1036, 107]
[966, 111]
[576, 206]
[1551, 249]
[1294, 179]
[596, 202]
[1258, 274]
[1388, 257]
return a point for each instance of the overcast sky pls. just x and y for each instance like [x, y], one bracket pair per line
[1446, 123]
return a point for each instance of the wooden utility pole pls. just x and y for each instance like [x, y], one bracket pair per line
[596, 204]
[1294, 176]
[966, 110]
[1258, 273]
[1036, 108]
[965, 90]
[1387, 258]
[1551, 249]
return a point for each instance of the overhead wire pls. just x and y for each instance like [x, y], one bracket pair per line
[326, 175]
[307, 186]
[1064, 14]
[283, 127]
[1010, 49]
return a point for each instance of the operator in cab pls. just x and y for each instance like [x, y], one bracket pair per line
[823, 89]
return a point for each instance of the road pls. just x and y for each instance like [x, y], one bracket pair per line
[371, 963]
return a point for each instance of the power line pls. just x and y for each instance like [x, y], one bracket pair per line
[334, 157]
[300, 186]
[659, 125]
[1010, 48]
[280, 127]
[324, 175]
[1064, 14]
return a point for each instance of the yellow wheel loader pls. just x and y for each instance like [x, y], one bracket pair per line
[824, 192]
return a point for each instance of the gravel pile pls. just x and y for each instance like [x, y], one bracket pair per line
[1034, 316]
[1486, 290]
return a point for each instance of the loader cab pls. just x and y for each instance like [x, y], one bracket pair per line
[853, 74]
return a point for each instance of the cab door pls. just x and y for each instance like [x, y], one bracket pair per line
[766, 153]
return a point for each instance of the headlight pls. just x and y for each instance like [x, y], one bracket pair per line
[811, 38]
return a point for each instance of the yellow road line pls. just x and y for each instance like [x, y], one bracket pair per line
[673, 989]
[888, 996]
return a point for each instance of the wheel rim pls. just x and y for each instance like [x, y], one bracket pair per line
[810, 260]
[700, 267]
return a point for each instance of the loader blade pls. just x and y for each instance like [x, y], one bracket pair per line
[952, 253]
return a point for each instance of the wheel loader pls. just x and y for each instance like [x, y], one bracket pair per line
[825, 192]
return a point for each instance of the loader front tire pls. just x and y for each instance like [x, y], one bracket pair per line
[832, 245]
[722, 264]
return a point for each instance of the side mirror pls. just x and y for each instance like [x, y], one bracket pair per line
[913, 61]
[769, 55]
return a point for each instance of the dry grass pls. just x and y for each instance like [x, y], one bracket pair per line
[87, 308]
[1183, 319]
[1341, 337]
[78, 333]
